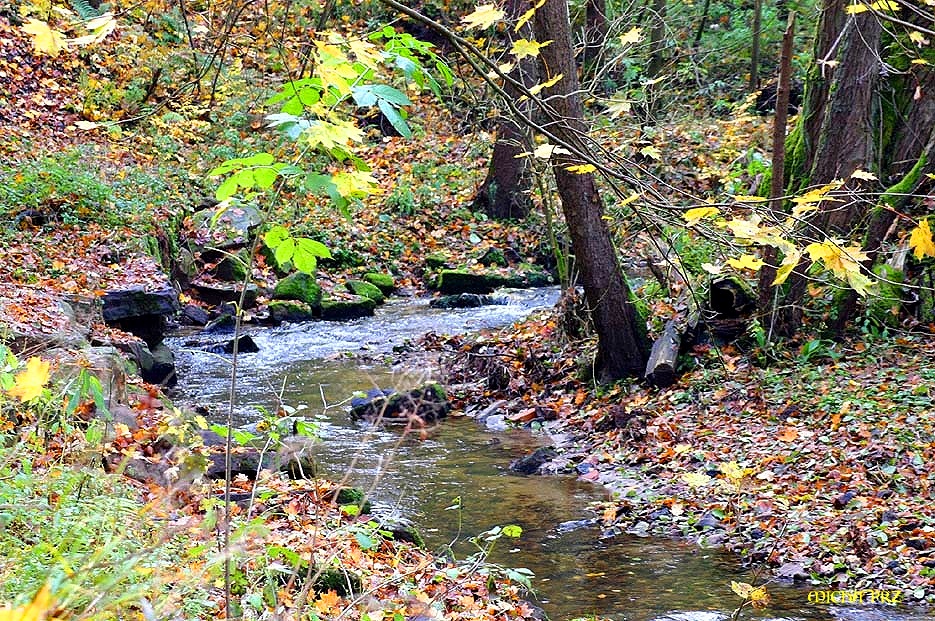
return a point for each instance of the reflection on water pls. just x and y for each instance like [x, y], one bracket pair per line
[577, 573]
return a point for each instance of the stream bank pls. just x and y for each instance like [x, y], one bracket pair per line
[579, 571]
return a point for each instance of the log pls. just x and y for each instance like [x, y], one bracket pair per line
[660, 370]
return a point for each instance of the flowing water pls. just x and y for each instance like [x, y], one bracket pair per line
[321, 364]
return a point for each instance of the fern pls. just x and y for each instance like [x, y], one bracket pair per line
[84, 9]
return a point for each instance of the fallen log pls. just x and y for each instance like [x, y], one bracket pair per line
[660, 370]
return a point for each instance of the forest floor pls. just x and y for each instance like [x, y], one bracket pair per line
[813, 458]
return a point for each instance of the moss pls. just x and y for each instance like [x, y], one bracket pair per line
[907, 184]
[438, 390]
[385, 282]
[339, 580]
[344, 309]
[354, 496]
[299, 286]
[365, 289]
[436, 261]
[290, 310]
[884, 307]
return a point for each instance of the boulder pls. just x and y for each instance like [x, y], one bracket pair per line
[247, 461]
[299, 286]
[463, 300]
[195, 315]
[223, 324]
[226, 226]
[342, 309]
[365, 289]
[460, 281]
[233, 268]
[160, 367]
[140, 312]
[385, 282]
[137, 302]
[428, 402]
[530, 464]
[494, 257]
[218, 294]
[292, 311]
[436, 261]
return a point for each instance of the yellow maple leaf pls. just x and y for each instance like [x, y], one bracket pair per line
[29, 383]
[581, 169]
[843, 261]
[355, 183]
[696, 479]
[920, 240]
[525, 17]
[651, 151]
[484, 16]
[45, 40]
[746, 262]
[742, 589]
[633, 35]
[36, 610]
[523, 48]
[331, 135]
[699, 213]
[745, 198]
[535, 90]
[788, 264]
[100, 27]
[863, 174]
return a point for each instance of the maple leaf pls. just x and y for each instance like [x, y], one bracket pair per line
[326, 602]
[633, 35]
[100, 27]
[700, 213]
[535, 90]
[785, 268]
[747, 261]
[523, 48]
[484, 16]
[651, 151]
[525, 17]
[581, 169]
[863, 174]
[45, 40]
[696, 479]
[37, 609]
[29, 383]
[843, 261]
[920, 240]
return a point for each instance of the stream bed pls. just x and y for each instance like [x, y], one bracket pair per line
[321, 364]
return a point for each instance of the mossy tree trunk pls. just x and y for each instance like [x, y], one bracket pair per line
[504, 193]
[622, 344]
[866, 107]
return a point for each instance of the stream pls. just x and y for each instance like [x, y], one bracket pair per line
[321, 364]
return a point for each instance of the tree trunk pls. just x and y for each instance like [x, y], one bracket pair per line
[504, 193]
[777, 181]
[657, 39]
[623, 348]
[879, 121]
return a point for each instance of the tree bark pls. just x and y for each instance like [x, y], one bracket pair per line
[755, 48]
[623, 348]
[504, 193]
[657, 39]
[777, 181]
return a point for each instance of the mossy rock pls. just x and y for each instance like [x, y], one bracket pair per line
[281, 269]
[461, 281]
[342, 309]
[233, 268]
[536, 277]
[385, 282]
[365, 289]
[436, 261]
[354, 496]
[429, 402]
[292, 311]
[494, 257]
[299, 286]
